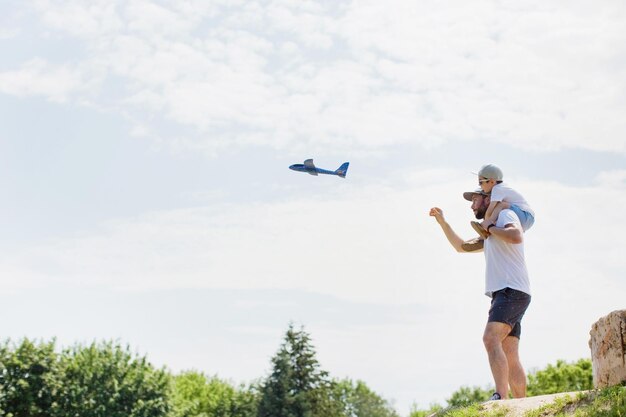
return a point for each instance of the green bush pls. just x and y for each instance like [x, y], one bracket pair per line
[562, 377]
[101, 380]
[29, 378]
[106, 380]
[355, 399]
[196, 395]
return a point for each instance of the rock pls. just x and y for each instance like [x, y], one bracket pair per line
[608, 349]
[521, 406]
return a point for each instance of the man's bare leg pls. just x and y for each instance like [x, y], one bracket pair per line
[517, 375]
[494, 335]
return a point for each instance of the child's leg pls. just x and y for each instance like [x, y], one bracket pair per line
[526, 219]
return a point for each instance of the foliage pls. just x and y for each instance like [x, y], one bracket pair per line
[247, 402]
[465, 396]
[562, 377]
[97, 381]
[609, 402]
[106, 380]
[196, 395]
[29, 378]
[434, 408]
[297, 387]
[357, 400]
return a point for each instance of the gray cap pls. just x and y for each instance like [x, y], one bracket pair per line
[469, 195]
[491, 172]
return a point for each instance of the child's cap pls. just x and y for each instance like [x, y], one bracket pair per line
[491, 172]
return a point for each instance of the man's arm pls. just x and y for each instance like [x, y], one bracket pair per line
[451, 235]
[510, 233]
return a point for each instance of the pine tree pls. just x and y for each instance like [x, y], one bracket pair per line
[297, 387]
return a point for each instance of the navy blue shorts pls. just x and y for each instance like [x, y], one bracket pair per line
[508, 306]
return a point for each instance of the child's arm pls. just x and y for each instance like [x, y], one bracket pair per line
[493, 211]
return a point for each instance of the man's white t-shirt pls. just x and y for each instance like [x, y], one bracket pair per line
[502, 192]
[505, 264]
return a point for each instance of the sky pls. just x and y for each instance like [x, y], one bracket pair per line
[146, 195]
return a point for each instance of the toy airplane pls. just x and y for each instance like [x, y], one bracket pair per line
[309, 167]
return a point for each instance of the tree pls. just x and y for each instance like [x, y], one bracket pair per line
[562, 377]
[196, 395]
[462, 397]
[29, 378]
[106, 380]
[465, 396]
[297, 387]
[247, 402]
[357, 400]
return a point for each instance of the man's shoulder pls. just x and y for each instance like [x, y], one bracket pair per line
[507, 216]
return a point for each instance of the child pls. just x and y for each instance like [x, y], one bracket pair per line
[501, 197]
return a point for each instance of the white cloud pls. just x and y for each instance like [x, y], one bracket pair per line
[374, 243]
[615, 179]
[80, 18]
[355, 75]
[38, 77]
[152, 19]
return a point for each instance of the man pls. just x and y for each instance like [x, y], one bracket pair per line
[506, 282]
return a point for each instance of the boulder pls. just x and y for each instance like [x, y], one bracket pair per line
[608, 349]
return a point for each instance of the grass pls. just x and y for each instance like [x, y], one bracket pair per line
[609, 402]
[474, 410]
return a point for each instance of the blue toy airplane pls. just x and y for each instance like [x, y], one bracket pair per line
[313, 170]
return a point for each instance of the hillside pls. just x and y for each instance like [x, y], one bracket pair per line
[520, 407]
[610, 402]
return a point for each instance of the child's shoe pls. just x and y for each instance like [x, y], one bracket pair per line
[480, 230]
